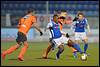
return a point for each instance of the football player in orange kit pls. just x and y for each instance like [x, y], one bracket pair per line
[25, 23]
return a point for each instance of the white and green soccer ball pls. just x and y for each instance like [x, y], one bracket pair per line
[84, 57]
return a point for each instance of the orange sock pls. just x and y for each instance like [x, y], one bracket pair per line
[21, 54]
[10, 50]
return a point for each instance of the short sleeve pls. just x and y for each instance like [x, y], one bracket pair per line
[21, 20]
[34, 19]
[86, 21]
[49, 24]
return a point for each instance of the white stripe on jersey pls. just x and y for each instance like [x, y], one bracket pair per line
[52, 33]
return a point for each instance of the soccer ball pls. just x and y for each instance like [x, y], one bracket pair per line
[84, 57]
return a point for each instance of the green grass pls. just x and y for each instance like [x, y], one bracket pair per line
[35, 50]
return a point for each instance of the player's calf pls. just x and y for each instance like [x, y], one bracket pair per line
[45, 54]
[3, 55]
[61, 49]
[85, 45]
[76, 46]
[9, 51]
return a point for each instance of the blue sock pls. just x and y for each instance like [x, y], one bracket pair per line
[85, 47]
[75, 54]
[76, 46]
[59, 52]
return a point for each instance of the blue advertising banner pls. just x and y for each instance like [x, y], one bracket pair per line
[10, 34]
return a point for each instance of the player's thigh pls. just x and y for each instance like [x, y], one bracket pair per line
[77, 41]
[51, 42]
[18, 39]
[57, 42]
[21, 38]
[77, 36]
[49, 45]
[84, 37]
[85, 40]
[64, 39]
[61, 46]
[70, 42]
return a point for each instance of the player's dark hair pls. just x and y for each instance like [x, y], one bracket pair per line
[80, 13]
[29, 11]
[55, 15]
[61, 17]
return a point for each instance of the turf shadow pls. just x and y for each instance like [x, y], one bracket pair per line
[13, 59]
[47, 58]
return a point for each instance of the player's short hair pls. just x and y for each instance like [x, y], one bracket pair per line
[55, 15]
[62, 17]
[80, 13]
[30, 11]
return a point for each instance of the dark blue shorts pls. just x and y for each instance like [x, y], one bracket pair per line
[21, 37]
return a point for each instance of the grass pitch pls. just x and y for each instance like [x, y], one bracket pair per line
[34, 54]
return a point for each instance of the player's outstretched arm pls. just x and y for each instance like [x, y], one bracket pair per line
[36, 26]
[65, 34]
[73, 26]
[88, 27]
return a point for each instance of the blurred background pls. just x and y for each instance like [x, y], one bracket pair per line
[11, 11]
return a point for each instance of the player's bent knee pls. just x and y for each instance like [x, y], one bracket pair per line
[50, 46]
[26, 46]
[61, 49]
[18, 45]
[70, 43]
[85, 40]
[77, 41]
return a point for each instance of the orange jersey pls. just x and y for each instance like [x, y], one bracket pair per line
[61, 24]
[68, 20]
[25, 23]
